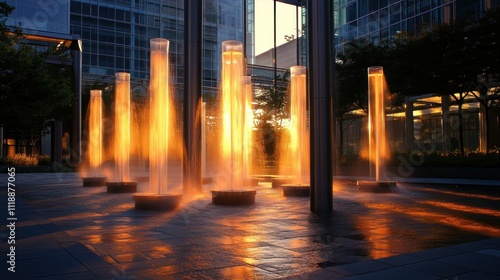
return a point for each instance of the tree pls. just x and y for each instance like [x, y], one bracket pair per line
[455, 60]
[270, 110]
[483, 39]
[32, 91]
[352, 80]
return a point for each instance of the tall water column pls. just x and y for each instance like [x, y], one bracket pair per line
[121, 145]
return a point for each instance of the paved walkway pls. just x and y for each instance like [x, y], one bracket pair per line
[66, 231]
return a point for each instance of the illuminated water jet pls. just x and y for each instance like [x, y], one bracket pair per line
[94, 151]
[376, 133]
[160, 115]
[236, 128]
[121, 146]
[299, 136]
[205, 179]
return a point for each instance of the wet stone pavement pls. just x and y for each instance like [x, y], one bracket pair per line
[66, 231]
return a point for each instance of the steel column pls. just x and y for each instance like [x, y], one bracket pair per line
[76, 55]
[193, 42]
[320, 85]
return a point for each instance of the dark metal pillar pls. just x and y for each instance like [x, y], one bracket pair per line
[320, 85]
[56, 135]
[1, 141]
[275, 50]
[446, 122]
[410, 141]
[76, 55]
[193, 42]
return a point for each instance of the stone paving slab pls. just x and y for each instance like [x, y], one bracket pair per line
[66, 231]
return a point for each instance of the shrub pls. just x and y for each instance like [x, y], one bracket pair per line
[22, 160]
[44, 160]
[452, 159]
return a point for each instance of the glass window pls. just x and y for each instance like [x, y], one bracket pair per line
[425, 6]
[363, 7]
[351, 12]
[373, 22]
[395, 15]
[76, 7]
[372, 6]
[384, 18]
[394, 30]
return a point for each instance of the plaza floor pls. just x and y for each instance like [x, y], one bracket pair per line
[422, 231]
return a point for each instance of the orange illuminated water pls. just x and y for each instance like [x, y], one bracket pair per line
[95, 133]
[376, 121]
[299, 131]
[247, 126]
[122, 126]
[159, 110]
[236, 115]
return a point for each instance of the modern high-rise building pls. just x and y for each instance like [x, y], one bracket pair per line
[431, 121]
[115, 33]
[380, 20]
[51, 16]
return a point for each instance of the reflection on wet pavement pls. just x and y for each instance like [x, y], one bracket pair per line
[276, 237]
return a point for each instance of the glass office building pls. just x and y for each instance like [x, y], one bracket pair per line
[432, 117]
[116, 35]
[380, 20]
[46, 16]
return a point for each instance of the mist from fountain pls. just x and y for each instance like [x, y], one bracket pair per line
[94, 152]
[377, 146]
[236, 136]
[122, 127]
[234, 107]
[299, 130]
[162, 132]
[376, 122]
[159, 110]
[296, 180]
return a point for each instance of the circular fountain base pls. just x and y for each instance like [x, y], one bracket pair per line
[278, 182]
[94, 181]
[251, 182]
[206, 180]
[296, 190]
[142, 179]
[376, 186]
[233, 197]
[121, 187]
[152, 201]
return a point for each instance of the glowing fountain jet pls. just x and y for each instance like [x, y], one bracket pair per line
[235, 150]
[376, 132]
[122, 136]
[299, 135]
[160, 115]
[247, 128]
[94, 151]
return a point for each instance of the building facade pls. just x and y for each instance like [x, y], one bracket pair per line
[380, 20]
[116, 33]
[116, 36]
[50, 16]
[428, 123]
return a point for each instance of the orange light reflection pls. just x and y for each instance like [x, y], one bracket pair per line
[460, 223]
[463, 208]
